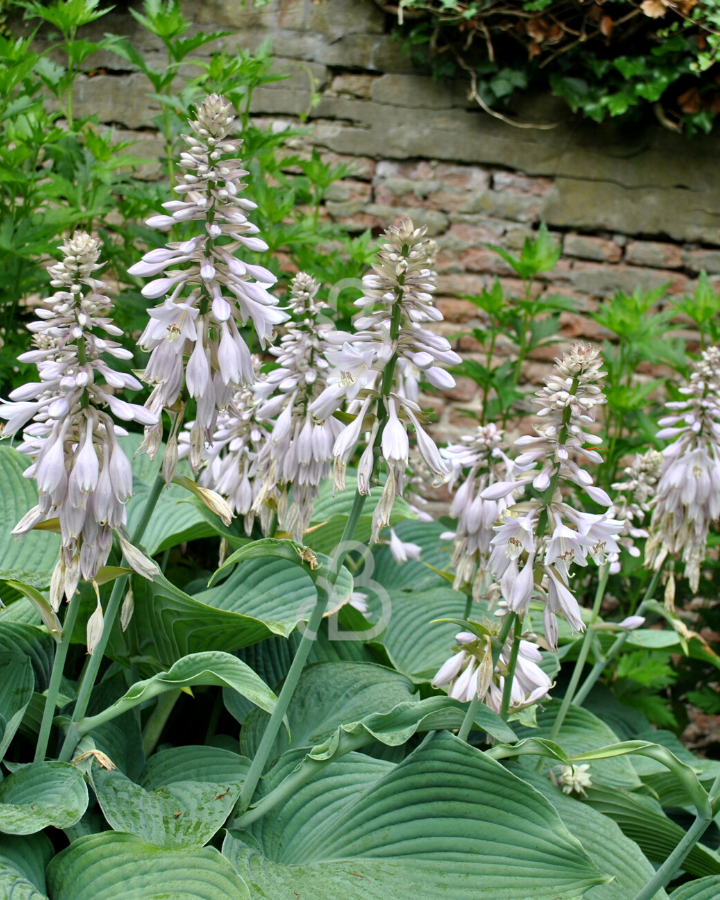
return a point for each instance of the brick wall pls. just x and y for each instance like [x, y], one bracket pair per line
[631, 207]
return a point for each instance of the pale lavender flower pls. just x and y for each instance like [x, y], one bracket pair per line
[687, 498]
[632, 502]
[208, 292]
[540, 540]
[230, 464]
[298, 456]
[483, 456]
[390, 340]
[84, 478]
[402, 551]
[469, 672]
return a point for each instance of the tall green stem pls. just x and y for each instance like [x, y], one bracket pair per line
[158, 720]
[56, 677]
[298, 663]
[498, 644]
[510, 677]
[600, 665]
[584, 650]
[111, 612]
[668, 869]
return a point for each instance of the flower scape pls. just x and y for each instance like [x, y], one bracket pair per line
[267, 635]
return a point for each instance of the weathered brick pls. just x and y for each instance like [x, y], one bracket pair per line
[464, 390]
[655, 254]
[476, 260]
[349, 191]
[435, 220]
[456, 310]
[595, 248]
[514, 287]
[463, 235]
[448, 262]
[573, 325]
[415, 170]
[697, 260]
[391, 194]
[357, 85]
[601, 281]
[462, 284]
[517, 183]
[361, 221]
[463, 178]
[504, 205]
[362, 167]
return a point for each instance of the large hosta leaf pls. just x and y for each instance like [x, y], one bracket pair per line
[329, 695]
[17, 681]
[260, 598]
[194, 763]
[22, 866]
[416, 644]
[643, 821]
[218, 669]
[48, 793]
[32, 558]
[702, 889]
[581, 732]
[176, 518]
[606, 844]
[33, 642]
[112, 866]
[446, 822]
[415, 575]
[182, 814]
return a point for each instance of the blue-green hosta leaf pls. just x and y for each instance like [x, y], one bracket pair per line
[416, 644]
[183, 814]
[702, 889]
[606, 844]
[581, 732]
[176, 518]
[329, 695]
[23, 861]
[446, 822]
[218, 669]
[48, 793]
[625, 722]
[17, 681]
[32, 558]
[33, 642]
[112, 866]
[194, 763]
[641, 818]
[259, 599]
[415, 575]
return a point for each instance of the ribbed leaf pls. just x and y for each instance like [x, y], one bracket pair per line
[33, 642]
[32, 558]
[625, 722]
[176, 518]
[417, 645]
[113, 866]
[17, 681]
[327, 696]
[606, 844]
[415, 575]
[644, 822]
[218, 669]
[446, 822]
[702, 889]
[183, 814]
[48, 793]
[22, 866]
[260, 598]
[194, 763]
[581, 732]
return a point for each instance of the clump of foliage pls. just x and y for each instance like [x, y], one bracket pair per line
[225, 673]
[605, 59]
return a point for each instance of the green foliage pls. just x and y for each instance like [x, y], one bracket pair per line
[616, 59]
